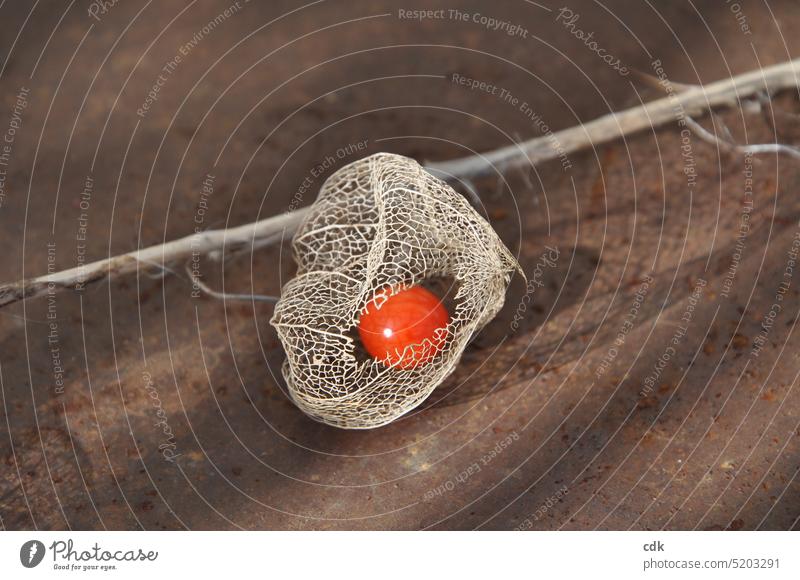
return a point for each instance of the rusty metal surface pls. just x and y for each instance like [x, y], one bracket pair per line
[172, 414]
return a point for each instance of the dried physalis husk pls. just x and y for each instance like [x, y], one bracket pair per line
[381, 222]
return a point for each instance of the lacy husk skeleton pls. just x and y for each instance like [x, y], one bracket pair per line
[378, 224]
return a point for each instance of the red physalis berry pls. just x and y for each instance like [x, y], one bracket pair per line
[404, 317]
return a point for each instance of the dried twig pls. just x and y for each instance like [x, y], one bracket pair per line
[730, 145]
[225, 296]
[198, 244]
[690, 100]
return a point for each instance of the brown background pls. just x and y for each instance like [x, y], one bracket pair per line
[715, 446]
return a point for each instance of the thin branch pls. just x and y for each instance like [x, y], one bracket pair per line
[198, 244]
[225, 296]
[690, 100]
[729, 145]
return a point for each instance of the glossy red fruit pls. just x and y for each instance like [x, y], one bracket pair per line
[402, 318]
